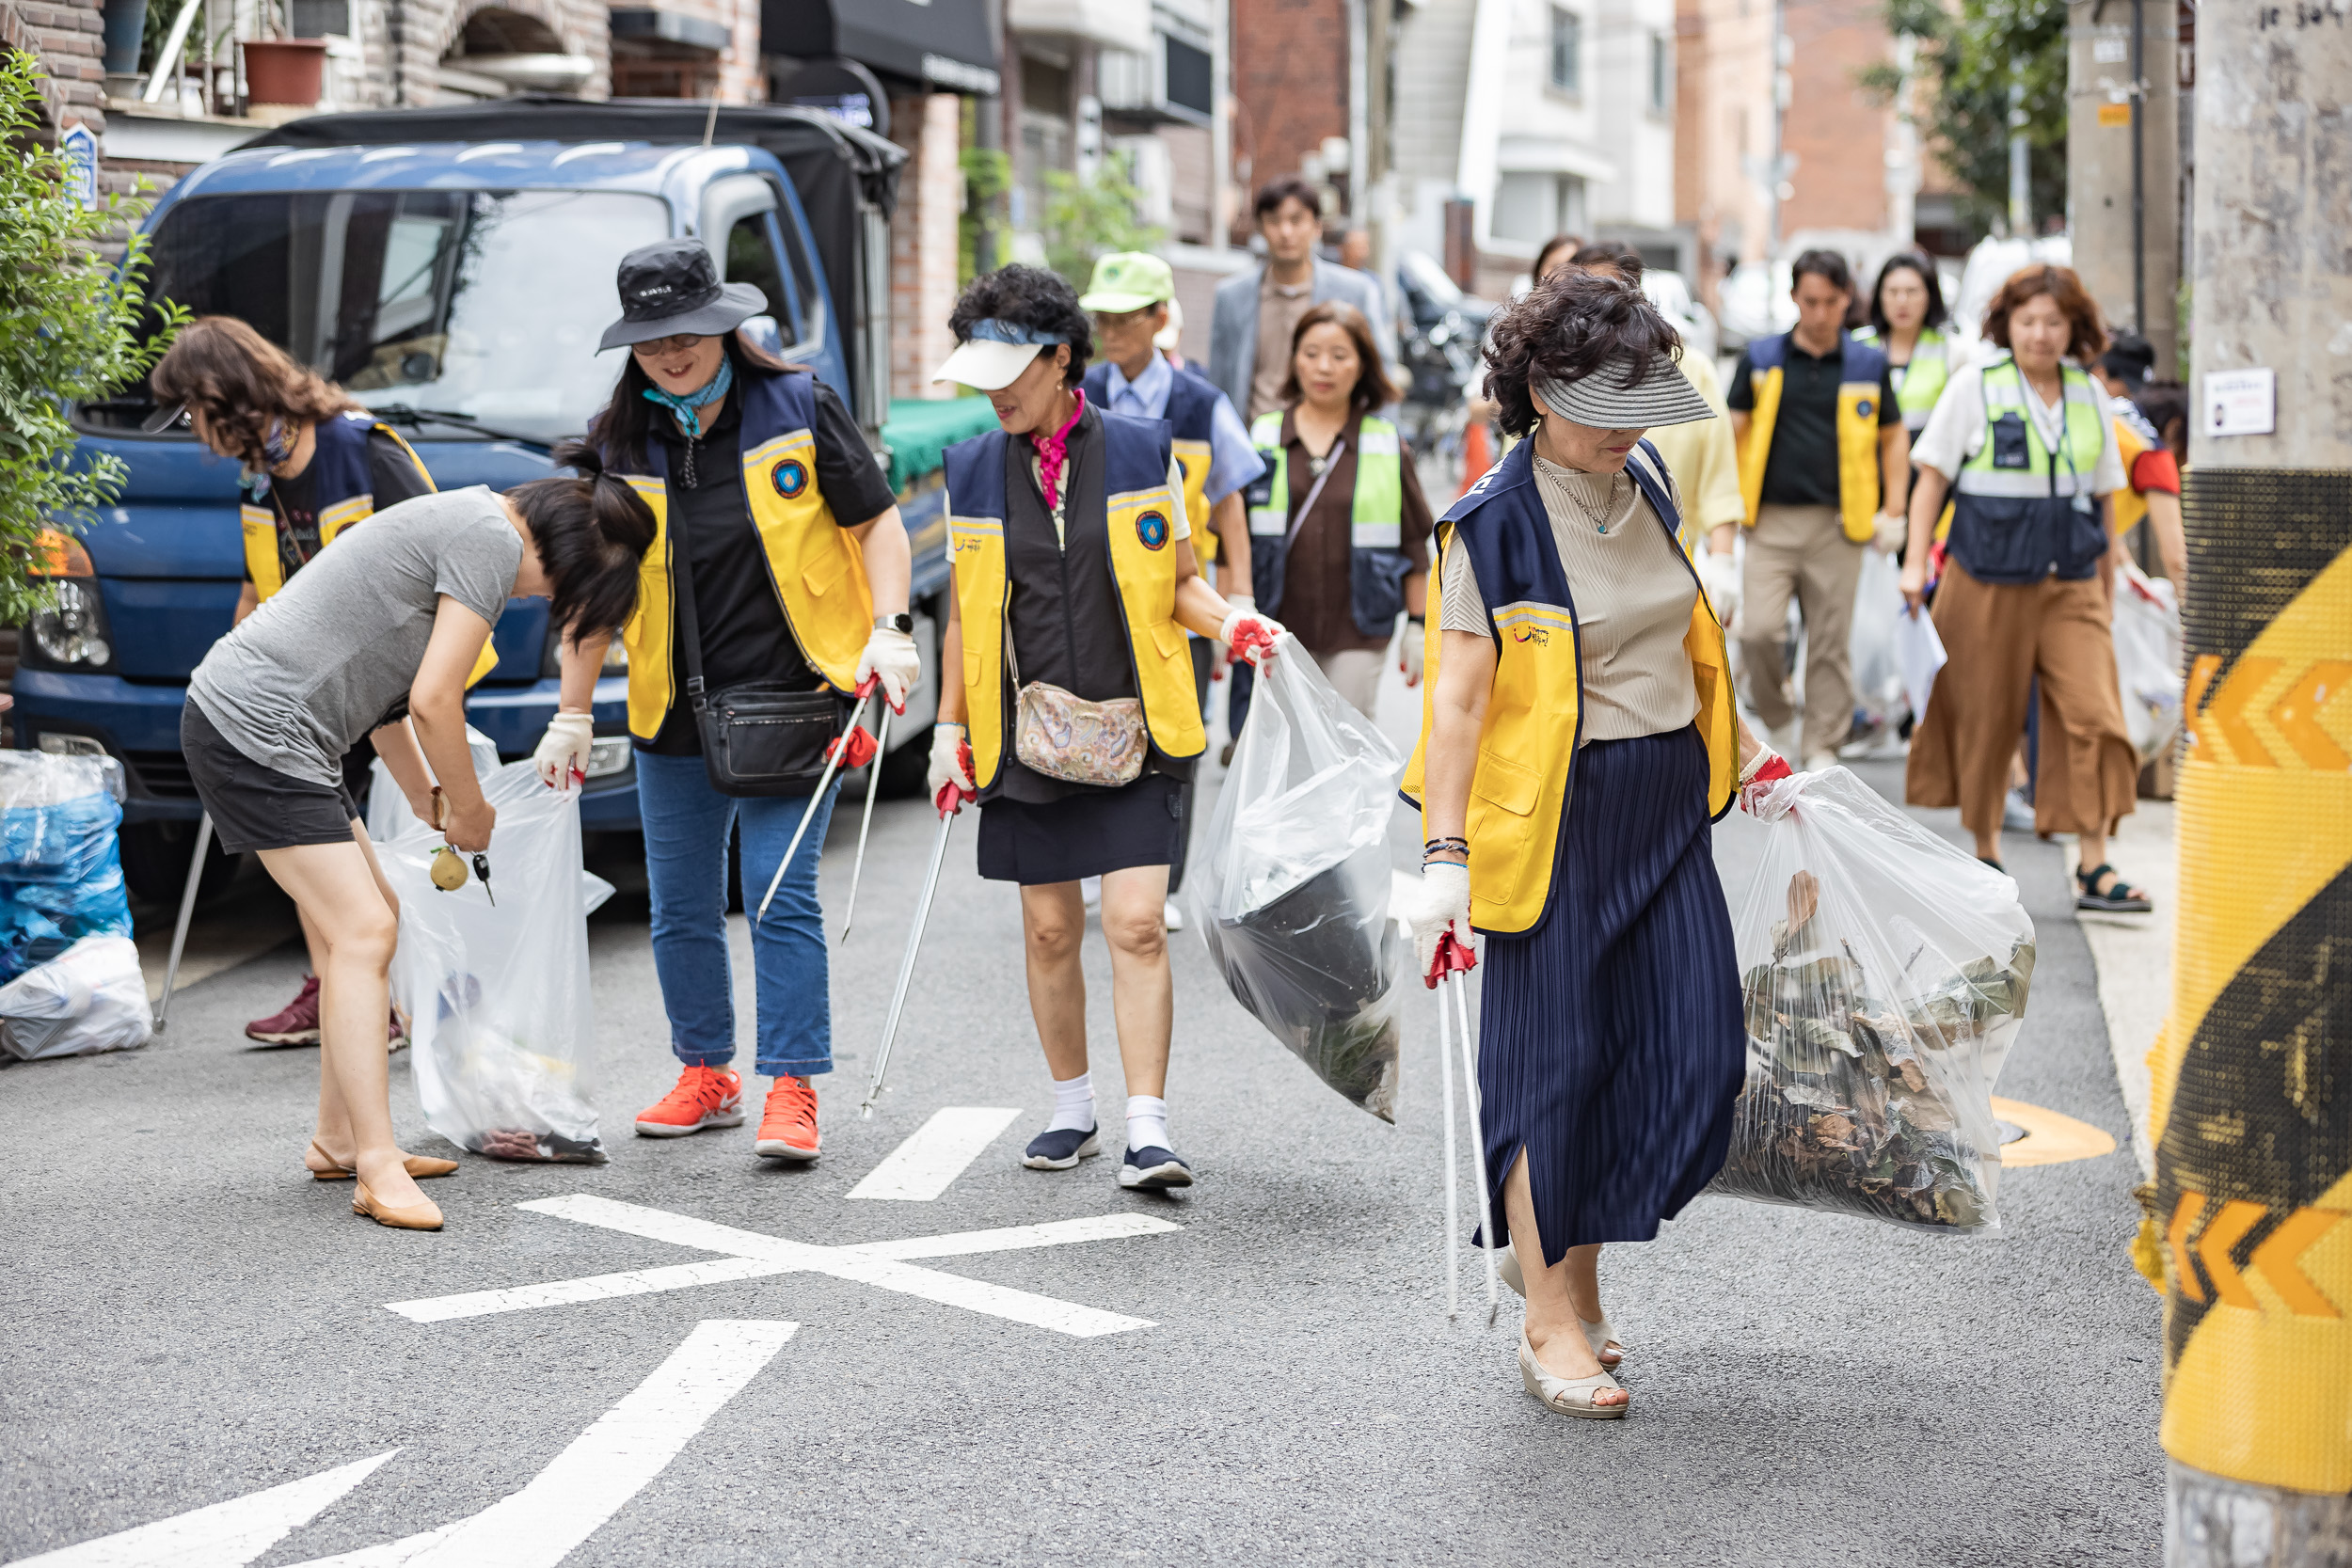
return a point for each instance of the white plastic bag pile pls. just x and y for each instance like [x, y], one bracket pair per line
[1884, 975]
[495, 995]
[1880, 698]
[89, 998]
[1294, 899]
[2148, 659]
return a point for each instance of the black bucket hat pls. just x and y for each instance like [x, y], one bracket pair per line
[671, 286]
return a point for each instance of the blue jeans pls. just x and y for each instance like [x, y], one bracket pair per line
[686, 863]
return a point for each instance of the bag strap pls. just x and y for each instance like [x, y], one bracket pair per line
[1314, 491]
[682, 590]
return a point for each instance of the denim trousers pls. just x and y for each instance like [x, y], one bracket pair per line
[686, 864]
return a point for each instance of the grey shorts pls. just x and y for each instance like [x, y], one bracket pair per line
[254, 806]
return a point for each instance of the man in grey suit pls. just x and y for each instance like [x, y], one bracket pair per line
[1249, 337]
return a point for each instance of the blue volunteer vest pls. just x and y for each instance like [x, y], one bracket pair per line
[1190, 415]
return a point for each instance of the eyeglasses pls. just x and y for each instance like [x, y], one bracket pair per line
[677, 342]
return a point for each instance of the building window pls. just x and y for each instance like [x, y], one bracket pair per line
[1531, 207]
[1567, 50]
[1662, 74]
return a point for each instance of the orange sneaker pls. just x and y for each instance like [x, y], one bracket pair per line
[787, 1127]
[704, 1097]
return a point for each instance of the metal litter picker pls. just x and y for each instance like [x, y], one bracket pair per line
[1452, 964]
[949, 802]
[865, 823]
[844, 747]
[187, 908]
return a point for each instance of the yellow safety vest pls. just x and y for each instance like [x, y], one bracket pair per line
[1858, 478]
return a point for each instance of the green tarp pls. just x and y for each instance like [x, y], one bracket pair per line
[920, 429]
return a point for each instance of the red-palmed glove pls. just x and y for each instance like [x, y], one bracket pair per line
[854, 750]
[1768, 768]
[1250, 635]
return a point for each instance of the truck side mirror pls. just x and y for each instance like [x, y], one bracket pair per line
[761, 332]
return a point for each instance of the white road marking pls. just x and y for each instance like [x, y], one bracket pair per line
[749, 1255]
[225, 1535]
[921, 1168]
[603, 1469]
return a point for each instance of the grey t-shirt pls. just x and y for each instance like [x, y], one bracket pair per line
[332, 655]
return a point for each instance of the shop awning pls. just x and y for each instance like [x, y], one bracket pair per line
[943, 44]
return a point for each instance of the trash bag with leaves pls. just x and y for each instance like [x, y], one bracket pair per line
[1885, 974]
[1294, 899]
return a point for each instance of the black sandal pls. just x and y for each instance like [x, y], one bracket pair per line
[1988, 860]
[2121, 897]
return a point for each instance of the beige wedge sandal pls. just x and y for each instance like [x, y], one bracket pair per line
[1601, 1335]
[1569, 1396]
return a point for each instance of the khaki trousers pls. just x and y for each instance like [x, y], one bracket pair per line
[1355, 672]
[1801, 550]
[1998, 636]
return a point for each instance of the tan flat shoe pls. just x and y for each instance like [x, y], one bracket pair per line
[420, 1166]
[415, 1216]
[1600, 1336]
[1569, 1396]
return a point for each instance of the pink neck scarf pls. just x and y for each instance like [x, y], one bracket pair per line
[1053, 452]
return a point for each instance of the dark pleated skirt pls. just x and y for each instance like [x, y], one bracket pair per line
[1610, 1043]
[1083, 834]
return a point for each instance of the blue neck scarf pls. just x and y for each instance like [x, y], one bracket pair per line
[687, 410]
[277, 444]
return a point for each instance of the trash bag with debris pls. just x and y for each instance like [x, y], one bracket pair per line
[2147, 634]
[1880, 703]
[1293, 901]
[60, 861]
[1884, 975]
[491, 980]
[89, 998]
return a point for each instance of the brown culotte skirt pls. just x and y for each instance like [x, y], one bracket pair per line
[1999, 637]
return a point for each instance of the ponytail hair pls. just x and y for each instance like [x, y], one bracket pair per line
[591, 533]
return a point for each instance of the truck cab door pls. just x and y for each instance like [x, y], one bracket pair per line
[756, 237]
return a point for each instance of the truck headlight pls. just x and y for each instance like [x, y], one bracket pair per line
[72, 745]
[71, 630]
[608, 755]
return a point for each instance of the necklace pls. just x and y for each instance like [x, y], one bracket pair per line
[1599, 519]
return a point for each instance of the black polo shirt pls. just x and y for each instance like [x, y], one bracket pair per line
[1802, 468]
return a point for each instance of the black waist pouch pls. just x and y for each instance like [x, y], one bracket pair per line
[760, 738]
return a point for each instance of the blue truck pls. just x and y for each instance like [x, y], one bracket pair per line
[453, 269]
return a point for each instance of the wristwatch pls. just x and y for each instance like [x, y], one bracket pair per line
[902, 621]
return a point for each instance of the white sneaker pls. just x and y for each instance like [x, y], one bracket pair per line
[1171, 917]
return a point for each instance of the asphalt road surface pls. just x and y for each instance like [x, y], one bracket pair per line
[200, 1344]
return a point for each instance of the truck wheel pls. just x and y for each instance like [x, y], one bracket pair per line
[155, 863]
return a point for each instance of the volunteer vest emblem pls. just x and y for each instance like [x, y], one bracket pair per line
[791, 478]
[1540, 636]
[1152, 528]
[1862, 407]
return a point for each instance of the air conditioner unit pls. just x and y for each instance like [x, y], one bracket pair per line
[1173, 81]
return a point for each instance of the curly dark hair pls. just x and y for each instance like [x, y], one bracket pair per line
[1564, 329]
[1031, 297]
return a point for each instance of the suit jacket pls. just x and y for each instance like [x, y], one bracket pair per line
[1233, 330]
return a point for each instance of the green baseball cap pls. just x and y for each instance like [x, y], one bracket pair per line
[1128, 280]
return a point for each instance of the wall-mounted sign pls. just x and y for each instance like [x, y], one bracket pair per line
[2241, 402]
[77, 148]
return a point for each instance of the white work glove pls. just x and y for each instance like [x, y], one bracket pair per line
[1245, 603]
[1893, 530]
[1764, 786]
[1720, 573]
[950, 762]
[1441, 903]
[1250, 635]
[564, 750]
[1415, 648]
[892, 655]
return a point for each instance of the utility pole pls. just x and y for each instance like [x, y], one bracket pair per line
[2122, 162]
[2020, 160]
[2251, 1099]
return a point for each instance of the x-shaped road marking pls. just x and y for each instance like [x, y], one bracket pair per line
[748, 1255]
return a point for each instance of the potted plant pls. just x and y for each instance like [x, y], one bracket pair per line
[283, 70]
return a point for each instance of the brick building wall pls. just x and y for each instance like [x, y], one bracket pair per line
[1838, 135]
[1290, 70]
[923, 241]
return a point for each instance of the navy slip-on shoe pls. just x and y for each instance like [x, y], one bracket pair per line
[1060, 1147]
[1154, 1169]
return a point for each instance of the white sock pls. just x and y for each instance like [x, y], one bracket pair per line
[1147, 1121]
[1074, 1104]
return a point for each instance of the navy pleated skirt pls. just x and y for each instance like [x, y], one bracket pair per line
[1610, 1043]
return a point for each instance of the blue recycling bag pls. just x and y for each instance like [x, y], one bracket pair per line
[60, 859]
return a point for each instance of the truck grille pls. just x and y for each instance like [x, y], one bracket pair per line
[163, 775]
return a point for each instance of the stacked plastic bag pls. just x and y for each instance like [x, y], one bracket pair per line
[1885, 974]
[73, 982]
[1293, 900]
[1880, 702]
[2148, 659]
[494, 994]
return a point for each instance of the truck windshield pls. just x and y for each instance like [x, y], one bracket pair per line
[481, 303]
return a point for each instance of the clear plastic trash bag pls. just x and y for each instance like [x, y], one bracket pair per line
[495, 996]
[1879, 695]
[89, 998]
[61, 860]
[1885, 974]
[2148, 659]
[388, 815]
[1293, 900]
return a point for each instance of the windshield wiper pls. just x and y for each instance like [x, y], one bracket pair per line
[400, 413]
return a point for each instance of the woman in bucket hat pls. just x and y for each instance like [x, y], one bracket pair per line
[1578, 737]
[1076, 720]
[780, 560]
